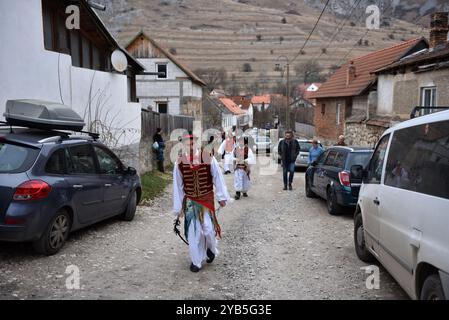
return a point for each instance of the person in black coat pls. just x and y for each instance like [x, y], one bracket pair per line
[160, 151]
[288, 150]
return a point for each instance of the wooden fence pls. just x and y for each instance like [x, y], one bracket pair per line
[152, 120]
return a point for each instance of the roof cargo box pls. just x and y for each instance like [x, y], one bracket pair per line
[42, 115]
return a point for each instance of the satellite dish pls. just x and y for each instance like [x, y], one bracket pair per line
[119, 61]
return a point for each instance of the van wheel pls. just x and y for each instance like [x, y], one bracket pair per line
[332, 206]
[55, 235]
[432, 288]
[359, 241]
[130, 211]
[309, 192]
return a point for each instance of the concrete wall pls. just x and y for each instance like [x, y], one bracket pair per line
[28, 71]
[399, 94]
[183, 96]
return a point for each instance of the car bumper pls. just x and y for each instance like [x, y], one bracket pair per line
[302, 163]
[35, 218]
[346, 198]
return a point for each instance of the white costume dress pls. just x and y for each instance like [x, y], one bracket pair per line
[227, 148]
[200, 227]
[242, 181]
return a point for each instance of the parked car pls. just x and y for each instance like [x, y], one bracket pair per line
[302, 161]
[52, 184]
[262, 143]
[329, 177]
[402, 216]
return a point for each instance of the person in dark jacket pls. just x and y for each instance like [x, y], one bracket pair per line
[288, 152]
[160, 151]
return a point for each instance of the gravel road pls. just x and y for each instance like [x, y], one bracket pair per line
[276, 245]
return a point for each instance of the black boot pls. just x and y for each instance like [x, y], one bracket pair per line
[237, 196]
[245, 195]
[290, 187]
[194, 268]
[285, 188]
[210, 256]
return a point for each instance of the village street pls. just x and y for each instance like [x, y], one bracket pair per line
[276, 245]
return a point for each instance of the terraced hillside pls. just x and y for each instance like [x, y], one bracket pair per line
[228, 34]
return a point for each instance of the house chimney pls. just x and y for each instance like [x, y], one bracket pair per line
[351, 73]
[438, 29]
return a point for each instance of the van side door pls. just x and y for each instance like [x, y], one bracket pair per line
[369, 199]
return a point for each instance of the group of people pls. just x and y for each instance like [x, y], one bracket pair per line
[197, 174]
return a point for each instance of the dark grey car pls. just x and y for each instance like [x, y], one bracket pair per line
[52, 184]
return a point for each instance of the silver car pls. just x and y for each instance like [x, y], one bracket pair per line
[302, 161]
[263, 144]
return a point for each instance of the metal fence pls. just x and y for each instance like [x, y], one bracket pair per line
[152, 120]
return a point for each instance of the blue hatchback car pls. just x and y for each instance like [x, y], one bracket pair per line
[53, 183]
[329, 177]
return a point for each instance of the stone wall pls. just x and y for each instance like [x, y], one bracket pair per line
[362, 134]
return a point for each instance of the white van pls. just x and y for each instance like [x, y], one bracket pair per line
[402, 216]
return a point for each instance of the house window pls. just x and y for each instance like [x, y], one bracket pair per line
[338, 113]
[428, 99]
[162, 68]
[162, 107]
[132, 96]
[323, 109]
[85, 45]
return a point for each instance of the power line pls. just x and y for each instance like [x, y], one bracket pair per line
[311, 32]
[358, 41]
[340, 28]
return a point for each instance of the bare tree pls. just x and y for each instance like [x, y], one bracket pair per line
[214, 78]
[309, 72]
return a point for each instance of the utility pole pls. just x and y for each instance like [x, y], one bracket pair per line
[287, 115]
[287, 67]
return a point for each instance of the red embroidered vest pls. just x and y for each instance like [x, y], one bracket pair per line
[198, 182]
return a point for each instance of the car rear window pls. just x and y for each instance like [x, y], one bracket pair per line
[16, 158]
[358, 159]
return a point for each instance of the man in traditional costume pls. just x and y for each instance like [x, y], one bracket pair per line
[194, 177]
[227, 149]
[243, 159]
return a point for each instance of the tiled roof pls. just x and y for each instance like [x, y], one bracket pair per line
[424, 57]
[261, 99]
[244, 101]
[337, 86]
[228, 103]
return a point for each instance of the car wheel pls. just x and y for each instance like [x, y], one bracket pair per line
[332, 206]
[131, 208]
[359, 241]
[309, 192]
[55, 235]
[432, 289]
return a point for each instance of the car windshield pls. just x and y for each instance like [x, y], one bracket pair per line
[358, 158]
[305, 146]
[263, 139]
[15, 159]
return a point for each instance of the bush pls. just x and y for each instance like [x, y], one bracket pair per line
[247, 67]
[284, 20]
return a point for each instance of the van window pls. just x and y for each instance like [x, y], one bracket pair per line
[340, 160]
[377, 161]
[419, 159]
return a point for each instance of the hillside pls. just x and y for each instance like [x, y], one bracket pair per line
[228, 34]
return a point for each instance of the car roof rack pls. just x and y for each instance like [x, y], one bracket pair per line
[413, 115]
[59, 135]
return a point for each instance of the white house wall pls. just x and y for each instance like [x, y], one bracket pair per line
[150, 89]
[28, 71]
[385, 90]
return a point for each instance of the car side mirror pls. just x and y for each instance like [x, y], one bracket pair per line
[131, 171]
[357, 172]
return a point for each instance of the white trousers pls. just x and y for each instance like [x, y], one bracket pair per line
[228, 162]
[201, 238]
[241, 181]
